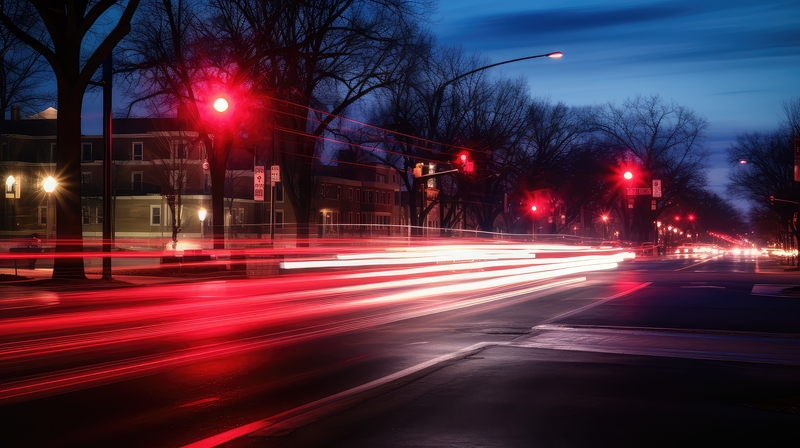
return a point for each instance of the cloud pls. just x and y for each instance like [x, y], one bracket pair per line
[689, 31]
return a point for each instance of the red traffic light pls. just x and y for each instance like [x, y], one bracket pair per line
[221, 104]
[467, 165]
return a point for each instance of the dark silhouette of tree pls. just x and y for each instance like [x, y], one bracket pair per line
[74, 37]
[22, 70]
[666, 142]
[768, 171]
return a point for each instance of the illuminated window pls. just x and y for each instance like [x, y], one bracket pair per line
[86, 216]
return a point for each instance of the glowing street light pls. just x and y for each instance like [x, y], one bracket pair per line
[628, 175]
[49, 185]
[202, 215]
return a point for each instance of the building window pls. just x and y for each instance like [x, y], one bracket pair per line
[136, 181]
[86, 152]
[358, 195]
[371, 199]
[86, 182]
[279, 192]
[350, 194]
[42, 218]
[278, 219]
[350, 220]
[98, 215]
[155, 215]
[338, 192]
[53, 152]
[237, 216]
[86, 215]
[137, 151]
[206, 182]
[177, 150]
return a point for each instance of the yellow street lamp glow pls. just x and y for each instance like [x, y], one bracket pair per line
[220, 104]
[10, 181]
[49, 184]
[201, 214]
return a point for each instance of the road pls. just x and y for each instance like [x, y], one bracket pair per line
[666, 350]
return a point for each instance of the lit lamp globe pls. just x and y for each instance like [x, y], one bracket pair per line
[628, 175]
[201, 214]
[50, 184]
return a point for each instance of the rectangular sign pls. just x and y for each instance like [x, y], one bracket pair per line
[656, 188]
[275, 173]
[797, 159]
[258, 183]
[637, 191]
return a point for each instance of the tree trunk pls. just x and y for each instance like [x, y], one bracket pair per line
[69, 230]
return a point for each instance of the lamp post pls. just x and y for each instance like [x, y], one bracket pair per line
[438, 97]
[49, 185]
[202, 215]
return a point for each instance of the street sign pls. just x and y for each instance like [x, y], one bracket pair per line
[275, 173]
[638, 191]
[258, 183]
[656, 188]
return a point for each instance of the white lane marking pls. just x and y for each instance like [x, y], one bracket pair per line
[594, 304]
[672, 343]
[702, 287]
[303, 415]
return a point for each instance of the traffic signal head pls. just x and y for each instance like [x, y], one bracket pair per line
[467, 165]
[220, 104]
[771, 200]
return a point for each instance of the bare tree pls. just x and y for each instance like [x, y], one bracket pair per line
[74, 37]
[666, 141]
[22, 70]
[176, 152]
[768, 171]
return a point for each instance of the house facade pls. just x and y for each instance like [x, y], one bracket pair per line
[160, 181]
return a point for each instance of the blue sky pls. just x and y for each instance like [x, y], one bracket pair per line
[731, 61]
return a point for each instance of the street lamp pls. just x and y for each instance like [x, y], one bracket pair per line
[628, 175]
[49, 185]
[438, 97]
[220, 104]
[202, 215]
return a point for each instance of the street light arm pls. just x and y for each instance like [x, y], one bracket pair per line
[438, 95]
[553, 55]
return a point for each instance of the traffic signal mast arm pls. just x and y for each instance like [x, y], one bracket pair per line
[774, 199]
[437, 174]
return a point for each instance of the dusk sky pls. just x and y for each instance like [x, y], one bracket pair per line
[731, 61]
